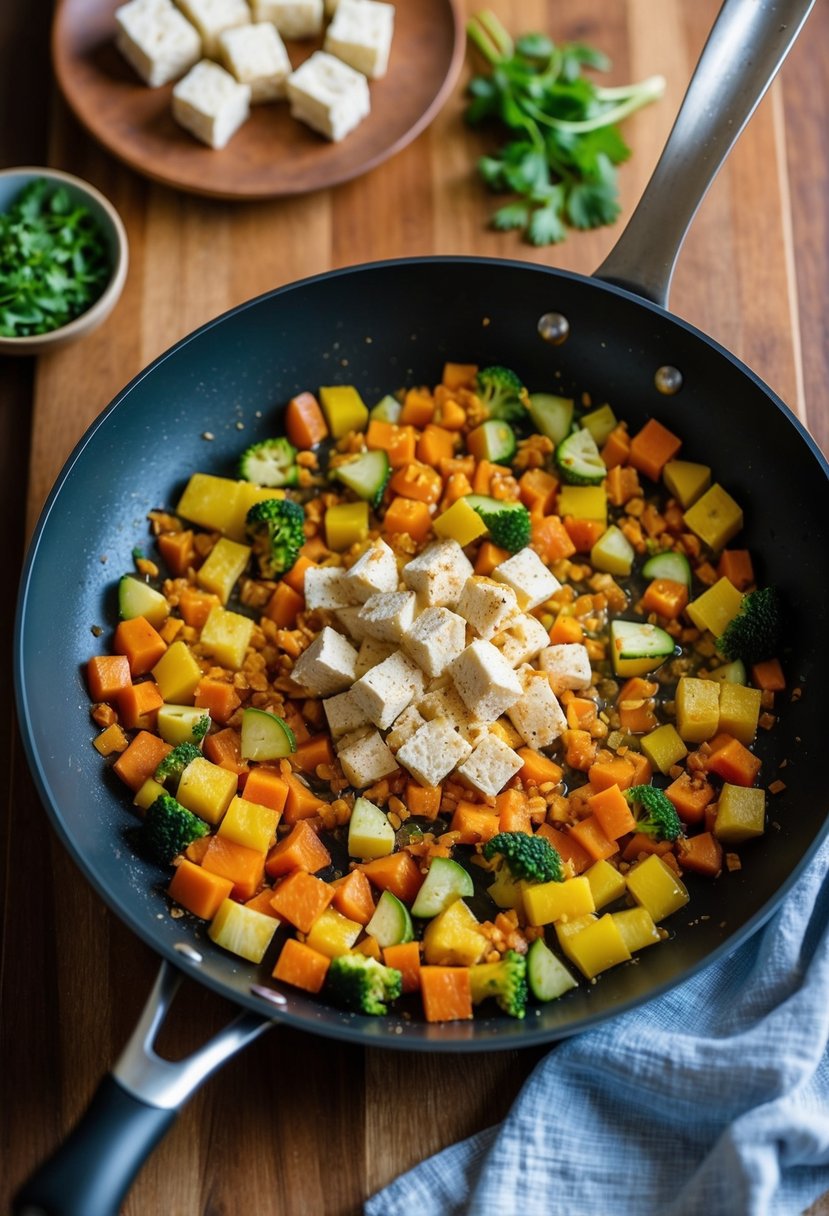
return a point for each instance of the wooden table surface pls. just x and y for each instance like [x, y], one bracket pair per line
[261, 1136]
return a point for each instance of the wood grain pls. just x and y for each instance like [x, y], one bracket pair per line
[262, 1135]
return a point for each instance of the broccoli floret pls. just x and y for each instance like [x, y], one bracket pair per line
[505, 980]
[530, 857]
[654, 812]
[175, 762]
[508, 523]
[272, 462]
[167, 830]
[201, 728]
[754, 633]
[502, 394]
[361, 984]
[275, 531]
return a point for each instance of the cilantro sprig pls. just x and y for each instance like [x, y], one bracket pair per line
[565, 145]
[54, 262]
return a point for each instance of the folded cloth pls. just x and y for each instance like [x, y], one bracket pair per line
[712, 1099]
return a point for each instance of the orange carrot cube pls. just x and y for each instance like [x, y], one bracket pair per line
[198, 890]
[301, 849]
[243, 866]
[301, 967]
[405, 958]
[612, 812]
[107, 675]
[301, 899]
[142, 645]
[446, 992]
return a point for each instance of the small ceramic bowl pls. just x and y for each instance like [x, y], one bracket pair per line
[12, 181]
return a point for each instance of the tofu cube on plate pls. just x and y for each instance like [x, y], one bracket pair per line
[327, 666]
[487, 606]
[485, 680]
[433, 751]
[366, 759]
[491, 765]
[292, 18]
[360, 34]
[537, 715]
[157, 40]
[529, 578]
[436, 637]
[210, 104]
[212, 17]
[255, 55]
[328, 95]
[567, 665]
[385, 691]
[437, 575]
[374, 571]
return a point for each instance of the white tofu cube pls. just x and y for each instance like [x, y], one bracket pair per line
[438, 574]
[529, 578]
[404, 727]
[385, 691]
[212, 17]
[435, 639]
[490, 766]
[331, 7]
[157, 40]
[344, 714]
[256, 56]
[567, 665]
[487, 606]
[325, 587]
[522, 640]
[433, 752]
[537, 715]
[328, 95]
[371, 653]
[486, 682]
[361, 34]
[366, 760]
[374, 571]
[292, 18]
[327, 666]
[210, 104]
[350, 620]
[388, 616]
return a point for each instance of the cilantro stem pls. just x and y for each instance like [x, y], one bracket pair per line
[490, 37]
[636, 96]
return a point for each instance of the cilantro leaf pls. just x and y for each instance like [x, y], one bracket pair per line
[514, 215]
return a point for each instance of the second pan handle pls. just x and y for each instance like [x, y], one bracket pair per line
[746, 46]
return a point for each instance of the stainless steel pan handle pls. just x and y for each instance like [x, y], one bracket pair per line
[746, 46]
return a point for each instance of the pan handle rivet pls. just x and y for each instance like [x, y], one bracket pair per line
[668, 380]
[189, 952]
[554, 328]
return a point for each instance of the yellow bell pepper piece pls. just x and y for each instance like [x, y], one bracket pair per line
[583, 502]
[550, 901]
[346, 525]
[715, 517]
[606, 883]
[740, 711]
[664, 748]
[177, 674]
[637, 928]
[656, 887]
[741, 814]
[716, 607]
[596, 947]
[697, 708]
[461, 523]
[344, 409]
[686, 480]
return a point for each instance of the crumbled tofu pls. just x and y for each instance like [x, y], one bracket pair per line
[256, 56]
[436, 638]
[529, 578]
[404, 727]
[349, 619]
[371, 653]
[523, 639]
[210, 104]
[433, 751]
[388, 616]
[325, 587]
[157, 40]
[487, 606]
[327, 666]
[361, 34]
[328, 95]
[567, 665]
[292, 18]
[344, 714]
[386, 690]
[367, 760]
[212, 17]
[485, 681]
[438, 574]
[491, 765]
[537, 715]
[373, 572]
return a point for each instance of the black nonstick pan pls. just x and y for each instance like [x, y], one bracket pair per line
[382, 326]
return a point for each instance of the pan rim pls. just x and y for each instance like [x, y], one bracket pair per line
[383, 1034]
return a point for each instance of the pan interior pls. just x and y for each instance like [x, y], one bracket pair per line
[382, 327]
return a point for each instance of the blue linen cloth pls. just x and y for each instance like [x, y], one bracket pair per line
[712, 1099]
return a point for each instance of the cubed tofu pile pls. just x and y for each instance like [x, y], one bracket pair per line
[430, 666]
[227, 55]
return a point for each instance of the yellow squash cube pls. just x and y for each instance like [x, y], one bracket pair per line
[697, 708]
[333, 934]
[222, 568]
[250, 824]
[346, 525]
[637, 928]
[613, 553]
[242, 930]
[177, 723]
[344, 409]
[506, 891]
[596, 947]
[715, 517]
[600, 422]
[454, 938]
[740, 711]
[461, 523]
[249, 494]
[741, 814]
[716, 607]
[177, 674]
[686, 480]
[148, 793]
[583, 502]
[606, 883]
[226, 636]
[210, 501]
[656, 887]
[550, 901]
[206, 789]
[663, 747]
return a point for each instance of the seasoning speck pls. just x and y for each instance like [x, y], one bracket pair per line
[208, 435]
[96, 631]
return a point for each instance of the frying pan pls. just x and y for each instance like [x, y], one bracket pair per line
[381, 326]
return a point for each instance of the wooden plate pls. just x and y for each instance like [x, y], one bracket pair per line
[272, 154]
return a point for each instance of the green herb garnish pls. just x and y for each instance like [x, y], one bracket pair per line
[562, 158]
[54, 262]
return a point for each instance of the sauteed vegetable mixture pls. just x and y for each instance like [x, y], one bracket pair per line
[446, 697]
